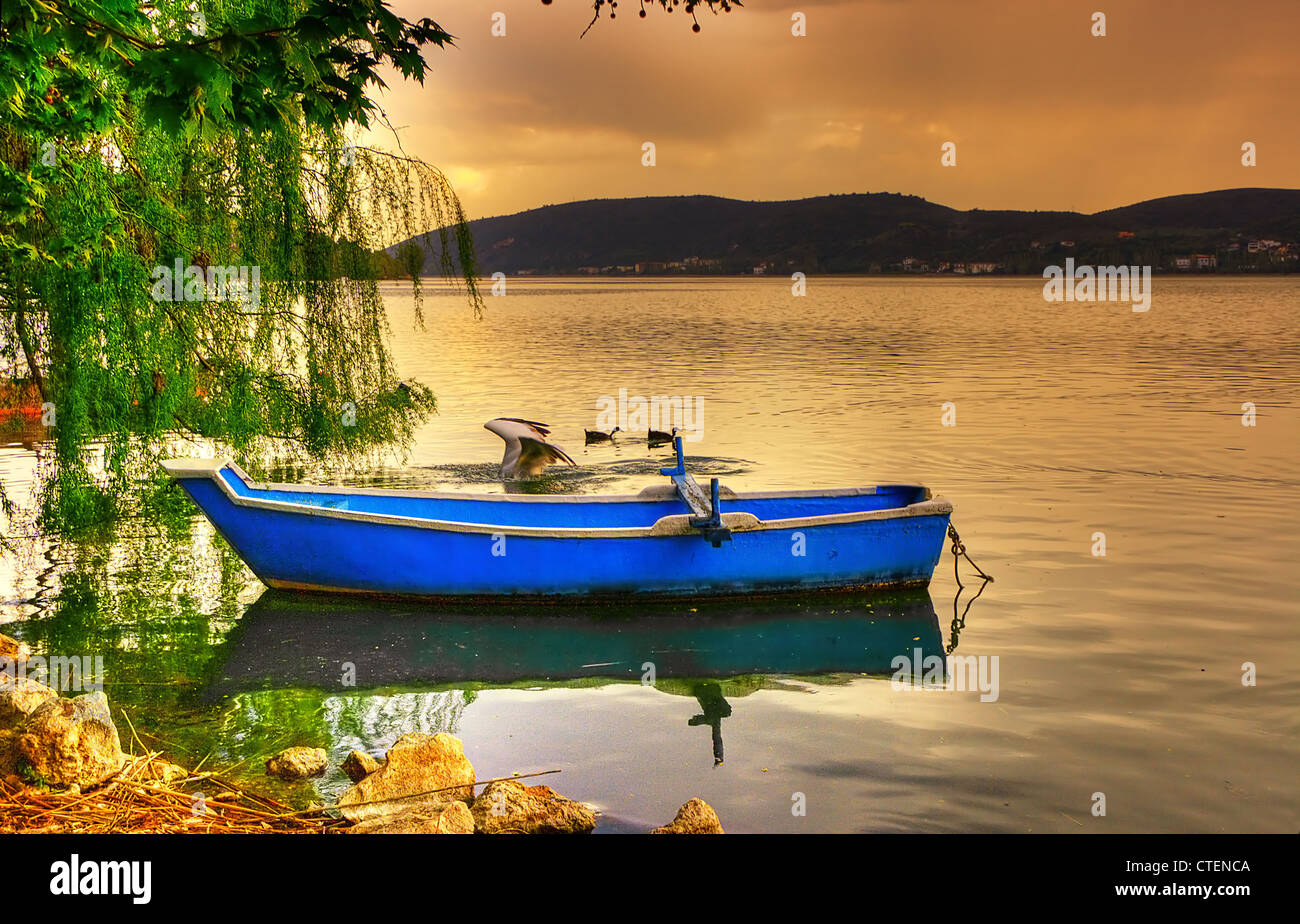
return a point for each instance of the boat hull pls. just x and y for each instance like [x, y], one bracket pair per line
[310, 547]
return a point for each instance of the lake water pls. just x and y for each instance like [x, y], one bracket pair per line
[1119, 674]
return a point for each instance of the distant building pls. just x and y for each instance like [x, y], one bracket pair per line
[983, 267]
[1205, 260]
[1124, 235]
[1183, 263]
[1067, 243]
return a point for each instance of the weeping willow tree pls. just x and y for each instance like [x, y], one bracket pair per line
[189, 244]
[188, 241]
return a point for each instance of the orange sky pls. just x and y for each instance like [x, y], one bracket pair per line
[1044, 115]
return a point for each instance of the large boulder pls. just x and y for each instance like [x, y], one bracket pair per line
[298, 763]
[509, 807]
[72, 742]
[440, 818]
[415, 765]
[358, 765]
[695, 817]
[13, 651]
[19, 697]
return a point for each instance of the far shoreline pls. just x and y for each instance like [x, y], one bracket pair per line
[1164, 274]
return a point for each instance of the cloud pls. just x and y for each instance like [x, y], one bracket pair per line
[1044, 114]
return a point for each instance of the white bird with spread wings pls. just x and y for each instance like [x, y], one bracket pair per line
[528, 452]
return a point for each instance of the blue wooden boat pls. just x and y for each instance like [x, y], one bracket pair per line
[668, 540]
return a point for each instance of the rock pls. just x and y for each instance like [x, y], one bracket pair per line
[8, 753]
[15, 651]
[68, 742]
[441, 818]
[298, 763]
[416, 763]
[695, 817]
[19, 697]
[508, 807]
[358, 765]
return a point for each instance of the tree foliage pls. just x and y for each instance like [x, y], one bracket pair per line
[141, 143]
[188, 242]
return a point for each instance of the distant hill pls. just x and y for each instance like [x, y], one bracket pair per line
[881, 232]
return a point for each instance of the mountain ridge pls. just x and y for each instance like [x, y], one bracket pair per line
[878, 232]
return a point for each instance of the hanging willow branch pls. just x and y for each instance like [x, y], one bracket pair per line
[188, 243]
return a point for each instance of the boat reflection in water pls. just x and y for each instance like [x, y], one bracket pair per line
[710, 651]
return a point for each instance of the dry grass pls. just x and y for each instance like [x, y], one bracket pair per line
[151, 796]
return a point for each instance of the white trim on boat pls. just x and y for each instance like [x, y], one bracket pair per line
[671, 525]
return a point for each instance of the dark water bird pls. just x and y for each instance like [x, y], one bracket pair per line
[528, 451]
[659, 437]
[599, 436]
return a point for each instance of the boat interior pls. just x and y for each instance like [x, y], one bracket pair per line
[617, 511]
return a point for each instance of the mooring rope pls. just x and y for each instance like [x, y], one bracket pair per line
[959, 621]
[959, 550]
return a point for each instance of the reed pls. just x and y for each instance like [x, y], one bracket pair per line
[149, 795]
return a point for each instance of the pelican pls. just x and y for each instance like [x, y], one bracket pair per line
[527, 450]
[600, 436]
